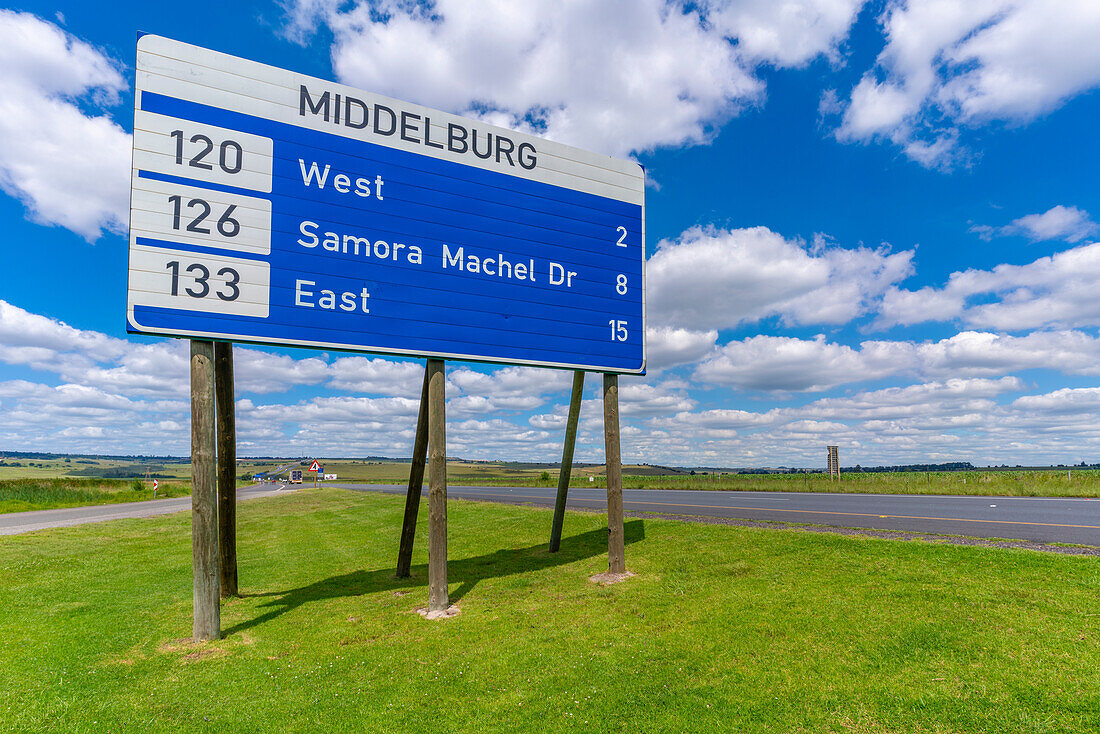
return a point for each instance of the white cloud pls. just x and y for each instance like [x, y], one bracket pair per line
[716, 279]
[785, 364]
[973, 353]
[642, 399]
[668, 346]
[1057, 223]
[69, 168]
[949, 65]
[31, 337]
[510, 382]
[146, 369]
[778, 363]
[490, 438]
[377, 376]
[134, 399]
[1058, 291]
[904, 307]
[722, 419]
[262, 372]
[607, 75]
[942, 420]
[1083, 402]
[637, 400]
[789, 33]
[149, 370]
[953, 396]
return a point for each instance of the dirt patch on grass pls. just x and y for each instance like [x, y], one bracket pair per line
[607, 578]
[191, 651]
[188, 649]
[203, 654]
[451, 611]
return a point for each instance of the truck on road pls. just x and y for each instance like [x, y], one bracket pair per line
[296, 476]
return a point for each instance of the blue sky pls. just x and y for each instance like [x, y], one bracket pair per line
[869, 224]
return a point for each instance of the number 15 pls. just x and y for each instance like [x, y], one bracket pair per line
[618, 330]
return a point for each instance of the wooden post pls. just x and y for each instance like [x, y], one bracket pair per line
[204, 495]
[616, 542]
[566, 470]
[416, 483]
[227, 469]
[437, 487]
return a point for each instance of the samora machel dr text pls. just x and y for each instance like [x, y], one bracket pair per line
[344, 243]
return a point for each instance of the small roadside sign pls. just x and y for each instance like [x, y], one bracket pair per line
[155, 485]
[315, 466]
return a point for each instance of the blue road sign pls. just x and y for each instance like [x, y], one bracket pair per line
[276, 208]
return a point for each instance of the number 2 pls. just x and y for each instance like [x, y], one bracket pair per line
[622, 236]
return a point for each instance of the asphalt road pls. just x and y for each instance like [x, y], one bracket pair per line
[1039, 519]
[14, 523]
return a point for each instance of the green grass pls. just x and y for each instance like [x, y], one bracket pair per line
[23, 468]
[19, 495]
[723, 629]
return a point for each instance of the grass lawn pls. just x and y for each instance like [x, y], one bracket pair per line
[723, 629]
[20, 495]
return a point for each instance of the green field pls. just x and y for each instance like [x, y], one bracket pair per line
[19, 495]
[458, 472]
[1022, 482]
[723, 629]
[1045, 483]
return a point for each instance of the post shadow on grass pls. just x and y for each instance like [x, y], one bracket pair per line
[467, 571]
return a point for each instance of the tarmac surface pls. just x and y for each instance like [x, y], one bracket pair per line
[14, 523]
[1037, 519]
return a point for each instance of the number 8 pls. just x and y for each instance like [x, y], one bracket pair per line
[620, 284]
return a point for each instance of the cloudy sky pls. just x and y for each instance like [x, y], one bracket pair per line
[869, 224]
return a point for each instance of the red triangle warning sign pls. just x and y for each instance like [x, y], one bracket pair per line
[314, 466]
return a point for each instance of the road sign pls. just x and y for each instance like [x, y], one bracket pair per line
[155, 485]
[272, 207]
[315, 466]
